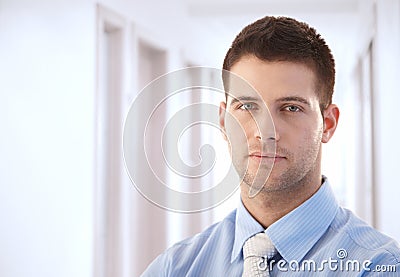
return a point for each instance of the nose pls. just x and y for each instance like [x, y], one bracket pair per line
[265, 129]
[273, 136]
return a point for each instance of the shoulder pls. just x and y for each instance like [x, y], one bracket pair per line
[363, 240]
[196, 242]
[180, 256]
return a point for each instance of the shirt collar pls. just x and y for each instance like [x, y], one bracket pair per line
[245, 227]
[297, 232]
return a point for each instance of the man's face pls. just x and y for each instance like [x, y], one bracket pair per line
[291, 145]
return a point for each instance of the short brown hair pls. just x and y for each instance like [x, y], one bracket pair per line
[286, 39]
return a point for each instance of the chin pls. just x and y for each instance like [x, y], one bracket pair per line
[271, 184]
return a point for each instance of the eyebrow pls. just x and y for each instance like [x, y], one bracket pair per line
[294, 99]
[244, 98]
[282, 99]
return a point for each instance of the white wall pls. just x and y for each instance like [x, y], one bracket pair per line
[46, 141]
[387, 97]
[150, 229]
[47, 110]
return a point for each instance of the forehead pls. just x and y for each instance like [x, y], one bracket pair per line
[253, 77]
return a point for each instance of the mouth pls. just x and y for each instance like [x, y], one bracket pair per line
[267, 157]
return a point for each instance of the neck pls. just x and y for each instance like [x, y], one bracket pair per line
[269, 206]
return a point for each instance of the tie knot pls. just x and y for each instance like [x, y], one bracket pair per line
[259, 245]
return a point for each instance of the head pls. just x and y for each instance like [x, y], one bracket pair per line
[286, 39]
[292, 70]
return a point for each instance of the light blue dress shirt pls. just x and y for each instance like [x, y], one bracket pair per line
[317, 238]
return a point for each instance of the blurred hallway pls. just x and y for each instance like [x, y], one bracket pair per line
[71, 69]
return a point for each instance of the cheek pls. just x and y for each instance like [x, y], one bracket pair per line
[237, 129]
[312, 137]
[310, 129]
[305, 137]
[237, 135]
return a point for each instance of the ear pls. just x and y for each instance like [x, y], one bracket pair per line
[222, 111]
[331, 119]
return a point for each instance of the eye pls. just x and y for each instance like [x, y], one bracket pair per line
[292, 109]
[247, 106]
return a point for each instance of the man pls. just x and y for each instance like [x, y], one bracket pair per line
[288, 221]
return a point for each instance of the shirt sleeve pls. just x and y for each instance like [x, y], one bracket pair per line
[158, 268]
[385, 267]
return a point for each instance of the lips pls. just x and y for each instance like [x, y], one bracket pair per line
[266, 158]
[261, 155]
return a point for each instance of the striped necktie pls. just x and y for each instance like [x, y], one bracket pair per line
[256, 250]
